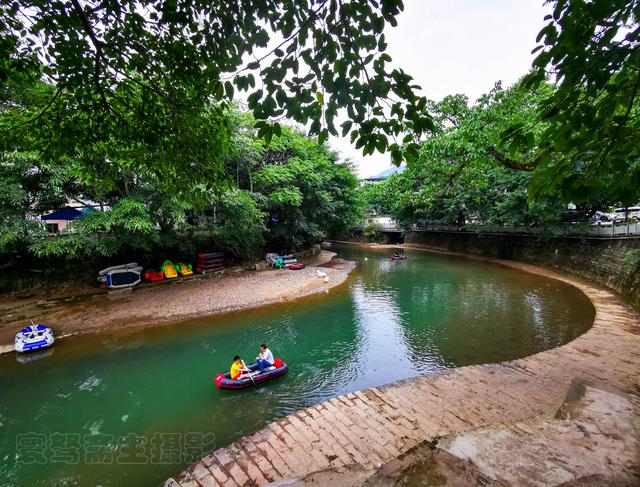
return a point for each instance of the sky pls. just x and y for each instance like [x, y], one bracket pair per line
[457, 47]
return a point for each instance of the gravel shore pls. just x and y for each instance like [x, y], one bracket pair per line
[169, 303]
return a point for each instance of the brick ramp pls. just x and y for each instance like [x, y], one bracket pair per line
[366, 428]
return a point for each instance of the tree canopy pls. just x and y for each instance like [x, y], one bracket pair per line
[130, 103]
[148, 76]
[460, 177]
[284, 194]
[144, 71]
[309, 197]
[591, 50]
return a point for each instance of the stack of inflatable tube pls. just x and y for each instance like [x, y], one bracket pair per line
[209, 262]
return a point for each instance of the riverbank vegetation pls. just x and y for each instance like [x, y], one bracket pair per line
[536, 154]
[132, 109]
[283, 194]
[459, 177]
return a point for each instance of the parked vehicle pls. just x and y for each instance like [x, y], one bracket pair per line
[631, 213]
[602, 218]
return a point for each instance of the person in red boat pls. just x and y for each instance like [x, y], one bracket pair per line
[265, 358]
[237, 370]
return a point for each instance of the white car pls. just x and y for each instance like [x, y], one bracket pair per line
[633, 214]
[602, 218]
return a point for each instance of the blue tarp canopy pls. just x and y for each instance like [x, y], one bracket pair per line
[64, 214]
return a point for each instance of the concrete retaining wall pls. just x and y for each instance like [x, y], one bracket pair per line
[613, 262]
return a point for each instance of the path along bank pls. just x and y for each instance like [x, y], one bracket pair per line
[107, 311]
[370, 427]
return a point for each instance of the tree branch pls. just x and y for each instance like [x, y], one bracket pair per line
[624, 121]
[97, 44]
[510, 163]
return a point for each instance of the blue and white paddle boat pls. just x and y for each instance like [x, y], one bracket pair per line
[33, 337]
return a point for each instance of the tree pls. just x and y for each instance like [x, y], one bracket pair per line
[376, 198]
[590, 142]
[28, 188]
[138, 180]
[461, 176]
[146, 71]
[246, 151]
[308, 197]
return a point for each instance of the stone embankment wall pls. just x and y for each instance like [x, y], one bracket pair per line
[614, 262]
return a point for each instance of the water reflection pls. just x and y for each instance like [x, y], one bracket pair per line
[382, 345]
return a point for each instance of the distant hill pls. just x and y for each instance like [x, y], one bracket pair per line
[388, 172]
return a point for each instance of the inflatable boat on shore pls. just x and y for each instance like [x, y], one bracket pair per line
[224, 381]
[33, 337]
[120, 276]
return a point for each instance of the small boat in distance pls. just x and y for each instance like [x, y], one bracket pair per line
[399, 255]
[33, 337]
[224, 381]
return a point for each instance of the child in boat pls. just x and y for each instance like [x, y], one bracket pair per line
[237, 370]
[265, 358]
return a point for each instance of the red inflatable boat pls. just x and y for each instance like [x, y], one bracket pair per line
[224, 381]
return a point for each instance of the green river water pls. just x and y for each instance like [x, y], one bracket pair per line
[136, 407]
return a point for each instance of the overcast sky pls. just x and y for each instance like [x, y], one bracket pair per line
[457, 46]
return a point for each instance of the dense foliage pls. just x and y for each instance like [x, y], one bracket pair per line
[460, 177]
[592, 119]
[256, 200]
[309, 197]
[130, 104]
[136, 71]
[567, 133]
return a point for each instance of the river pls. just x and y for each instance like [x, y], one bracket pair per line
[135, 407]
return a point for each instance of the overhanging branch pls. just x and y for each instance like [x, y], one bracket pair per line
[510, 163]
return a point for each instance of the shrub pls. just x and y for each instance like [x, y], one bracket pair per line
[372, 233]
[631, 262]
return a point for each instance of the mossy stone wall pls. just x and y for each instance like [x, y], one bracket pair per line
[614, 262]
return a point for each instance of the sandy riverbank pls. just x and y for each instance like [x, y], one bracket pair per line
[90, 311]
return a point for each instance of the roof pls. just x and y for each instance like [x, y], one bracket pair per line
[63, 214]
